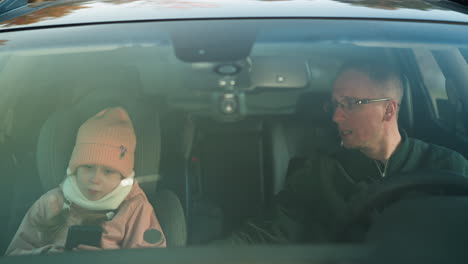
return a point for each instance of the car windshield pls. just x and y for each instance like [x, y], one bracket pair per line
[226, 113]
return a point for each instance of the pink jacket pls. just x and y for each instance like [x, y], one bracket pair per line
[126, 229]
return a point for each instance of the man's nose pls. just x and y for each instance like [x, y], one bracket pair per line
[338, 115]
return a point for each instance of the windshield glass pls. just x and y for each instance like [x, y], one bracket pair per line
[221, 120]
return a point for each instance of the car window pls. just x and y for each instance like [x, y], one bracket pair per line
[446, 103]
[434, 80]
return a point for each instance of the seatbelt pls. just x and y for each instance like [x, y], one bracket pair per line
[6, 125]
[187, 144]
[148, 178]
[456, 123]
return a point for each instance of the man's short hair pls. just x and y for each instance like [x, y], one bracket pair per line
[381, 73]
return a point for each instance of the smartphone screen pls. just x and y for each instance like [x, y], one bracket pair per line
[84, 235]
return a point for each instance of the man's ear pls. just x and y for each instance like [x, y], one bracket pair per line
[391, 110]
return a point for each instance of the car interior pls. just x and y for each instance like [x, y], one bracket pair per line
[209, 156]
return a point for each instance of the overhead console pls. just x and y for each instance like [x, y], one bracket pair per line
[279, 73]
[222, 89]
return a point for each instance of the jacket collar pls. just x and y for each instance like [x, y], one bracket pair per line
[400, 155]
[363, 168]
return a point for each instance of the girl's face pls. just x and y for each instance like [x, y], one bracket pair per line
[96, 181]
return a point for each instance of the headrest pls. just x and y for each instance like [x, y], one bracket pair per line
[58, 134]
[405, 117]
[310, 106]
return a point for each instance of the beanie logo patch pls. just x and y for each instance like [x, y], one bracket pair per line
[123, 151]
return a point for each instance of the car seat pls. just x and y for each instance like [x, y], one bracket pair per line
[57, 138]
[310, 131]
[227, 177]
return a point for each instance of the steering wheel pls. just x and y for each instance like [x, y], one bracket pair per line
[394, 189]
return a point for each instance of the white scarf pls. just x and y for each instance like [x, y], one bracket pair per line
[110, 201]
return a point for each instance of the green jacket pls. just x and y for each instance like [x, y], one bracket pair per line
[318, 196]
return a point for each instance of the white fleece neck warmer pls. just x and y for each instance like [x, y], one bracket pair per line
[111, 201]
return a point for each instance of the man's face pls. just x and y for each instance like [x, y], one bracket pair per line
[361, 127]
[96, 181]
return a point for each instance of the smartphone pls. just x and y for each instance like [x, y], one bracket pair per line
[83, 235]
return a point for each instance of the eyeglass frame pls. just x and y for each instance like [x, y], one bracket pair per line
[333, 104]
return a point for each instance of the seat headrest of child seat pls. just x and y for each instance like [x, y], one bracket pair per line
[58, 134]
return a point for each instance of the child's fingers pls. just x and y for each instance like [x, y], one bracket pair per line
[85, 247]
[55, 249]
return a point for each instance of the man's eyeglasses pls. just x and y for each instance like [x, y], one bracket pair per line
[350, 104]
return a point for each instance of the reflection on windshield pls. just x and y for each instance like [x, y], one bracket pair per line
[58, 11]
[171, 4]
[43, 14]
[61, 11]
[391, 4]
[40, 1]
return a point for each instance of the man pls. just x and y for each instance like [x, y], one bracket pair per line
[318, 198]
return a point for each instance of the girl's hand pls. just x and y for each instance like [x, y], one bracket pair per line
[86, 247]
[55, 250]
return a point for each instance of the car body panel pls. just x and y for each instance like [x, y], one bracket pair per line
[76, 12]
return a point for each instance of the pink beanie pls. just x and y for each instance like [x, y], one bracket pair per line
[106, 139]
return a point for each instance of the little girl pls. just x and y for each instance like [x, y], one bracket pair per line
[99, 190]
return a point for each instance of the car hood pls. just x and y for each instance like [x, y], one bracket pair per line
[54, 13]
